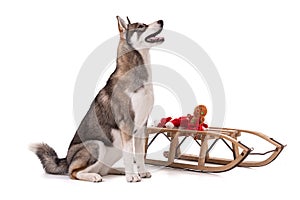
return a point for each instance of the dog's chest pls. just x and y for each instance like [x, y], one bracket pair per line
[142, 99]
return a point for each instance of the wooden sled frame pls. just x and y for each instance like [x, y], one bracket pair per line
[235, 133]
[203, 161]
[199, 161]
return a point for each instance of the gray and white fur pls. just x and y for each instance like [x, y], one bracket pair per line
[115, 123]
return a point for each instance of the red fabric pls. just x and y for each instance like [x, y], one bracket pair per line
[163, 121]
[183, 122]
[202, 127]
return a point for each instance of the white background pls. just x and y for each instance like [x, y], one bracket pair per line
[255, 46]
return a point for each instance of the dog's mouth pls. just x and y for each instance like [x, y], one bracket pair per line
[153, 39]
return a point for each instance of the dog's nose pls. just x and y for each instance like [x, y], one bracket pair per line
[161, 22]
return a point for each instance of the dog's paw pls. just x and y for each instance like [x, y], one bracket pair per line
[93, 177]
[133, 177]
[145, 174]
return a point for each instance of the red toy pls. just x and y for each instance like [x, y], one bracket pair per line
[191, 122]
[163, 122]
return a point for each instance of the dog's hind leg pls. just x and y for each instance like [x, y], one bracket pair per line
[116, 171]
[79, 169]
[86, 163]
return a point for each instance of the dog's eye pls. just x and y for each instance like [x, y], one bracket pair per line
[141, 26]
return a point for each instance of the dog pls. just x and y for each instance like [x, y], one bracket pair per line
[115, 124]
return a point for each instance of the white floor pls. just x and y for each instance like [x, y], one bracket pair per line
[24, 178]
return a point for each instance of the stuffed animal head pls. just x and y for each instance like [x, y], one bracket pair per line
[199, 112]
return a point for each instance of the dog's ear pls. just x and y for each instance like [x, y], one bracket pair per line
[121, 25]
[128, 20]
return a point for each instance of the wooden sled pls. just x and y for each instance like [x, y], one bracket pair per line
[203, 161]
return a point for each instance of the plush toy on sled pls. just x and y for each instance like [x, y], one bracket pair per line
[189, 122]
[207, 137]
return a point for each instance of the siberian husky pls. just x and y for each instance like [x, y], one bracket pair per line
[115, 123]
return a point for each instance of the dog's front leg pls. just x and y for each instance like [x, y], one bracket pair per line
[140, 157]
[140, 142]
[131, 175]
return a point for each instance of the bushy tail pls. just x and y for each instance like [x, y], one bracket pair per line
[49, 159]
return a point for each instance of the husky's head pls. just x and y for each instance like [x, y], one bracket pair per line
[140, 35]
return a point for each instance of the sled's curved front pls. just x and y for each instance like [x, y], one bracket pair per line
[235, 133]
[200, 162]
